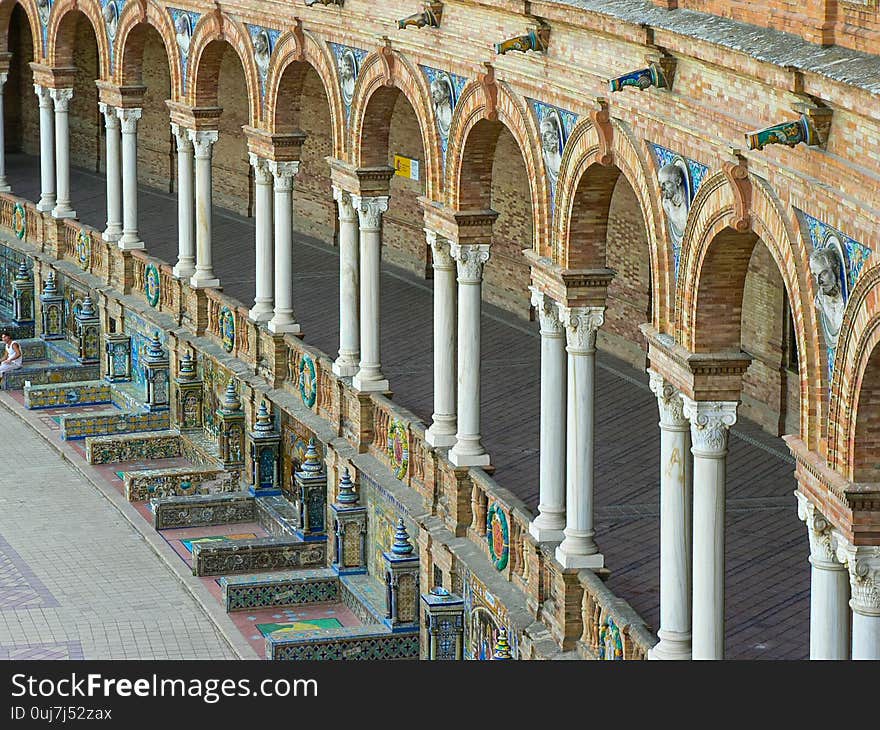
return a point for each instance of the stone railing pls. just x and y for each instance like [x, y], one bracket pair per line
[229, 326]
[612, 629]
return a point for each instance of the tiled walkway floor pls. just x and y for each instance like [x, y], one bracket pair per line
[76, 580]
[767, 571]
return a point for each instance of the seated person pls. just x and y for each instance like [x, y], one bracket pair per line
[11, 358]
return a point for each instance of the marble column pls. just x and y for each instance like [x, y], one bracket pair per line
[441, 432]
[47, 150]
[468, 449]
[578, 548]
[283, 320]
[203, 145]
[369, 377]
[61, 99]
[548, 526]
[710, 424]
[263, 301]
[829, 587]
[4, 183]
[346, 365]
[863, 564]
[113, 231]
[186, 240]
[675, 524]
[128, 120]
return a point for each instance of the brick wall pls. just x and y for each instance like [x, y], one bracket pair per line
[22, 115]
[866, 466]
[231, 168]
[86, 123]
[156, 165]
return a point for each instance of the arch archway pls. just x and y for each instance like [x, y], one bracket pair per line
[21, 115]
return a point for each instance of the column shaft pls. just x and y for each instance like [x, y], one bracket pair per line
[203, 143]
[186, 242]
[263, 301]
[4, 183]
[61, 98]
[346, 365]
[113, 231]
[130, 239]
[441, 433]
[47, 150]
[283, 320]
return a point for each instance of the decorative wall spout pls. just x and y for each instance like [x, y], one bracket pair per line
[429, 18]
[643, 78]
[788, 133]
[310, 3]
[537, 40]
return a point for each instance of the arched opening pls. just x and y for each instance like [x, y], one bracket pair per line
[21, 114]
[866, 450]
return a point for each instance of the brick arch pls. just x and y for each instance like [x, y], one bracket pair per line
[717, 246]
[210, 36]
[582, 163]
[500, 104]
[128, 58]
[61, 30]
[30, 10]
[290, 50]
[380, 73]
[855, 384]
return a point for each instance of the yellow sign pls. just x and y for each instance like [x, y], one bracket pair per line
[406, 167]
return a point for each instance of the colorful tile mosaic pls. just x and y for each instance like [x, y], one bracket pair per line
[101, 424]
[349, 643]
[246, 556]
[200, 511]
[84, 249]
[398, 448]
[278, 590]
[348, 64]
[227, 329]
[175, 482]
[293, 627]
[152, 288]
[132, 447]
[498, 535]
[446, 89]
[555, 126]
[308, 381]
[264, 40]
[19, 221]
[68, 394]
[184, 24]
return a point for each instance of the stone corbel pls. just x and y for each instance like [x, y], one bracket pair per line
[490, 92]
[602, 121]
[737, 174]
[386, 56]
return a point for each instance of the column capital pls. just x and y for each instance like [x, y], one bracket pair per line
[441, 256]
[43, 96]
[181, 137]
[111, 121]
[863, 563]
[346, 206]
[581, 325]
[4, 75]
[128, 117]
[470, 259]
[548, 313]
[61, 98]
[710, 423]
[823, 538]
[262, 173]
[669, 401]
[283, 172]
[203, 140]
[370, 210]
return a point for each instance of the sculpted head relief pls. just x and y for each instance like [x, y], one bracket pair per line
[262, 52]
[674, 194]
[348, 70]
[443, 100]
[111, 18]
[43, 10]
[183, 28]
[826, 267]
[552, 142]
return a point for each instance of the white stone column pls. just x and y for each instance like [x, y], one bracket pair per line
[548, 526]
[829, 587]
[61, 99]
[441, 432]
[4, 183]
[470, 259]
[47, 150]
[128, 120]
[710, 423]
[186, 240]
[203, 144]
[578, 548]
[263, 301]
[113, 231]
[369, 377]
[346, 365]
[863, 563]
[675, 524]
[284, 320]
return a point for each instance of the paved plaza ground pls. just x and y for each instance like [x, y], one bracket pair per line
[767, 573]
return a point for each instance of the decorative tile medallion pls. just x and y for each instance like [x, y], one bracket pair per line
[227, 329]
[83, 249]
[446, 90]
[184, 23]
[610, 643]
[348, 66]
[151, 284]
[264, 40]
[308, 381]
[398, 448]
[110, 11]
[19, 221]
[498, 536]
[555, 126]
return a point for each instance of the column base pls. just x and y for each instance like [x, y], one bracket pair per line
[204, 282]
[440, 437]
[344, 367]
[46, 204]
[369, 383]
[184, 270]
[545, 534]
[5, 187]
[111, 235]
[672, 647]
[261, 313]
[63, 213]
[130, 243]
[284, 328]
[468, 459]
[575, 560]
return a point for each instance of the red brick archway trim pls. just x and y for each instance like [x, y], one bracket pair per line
[386, 68]
[294, 47]
[718, 207]
[30, 9]
[133, 15]
[59, 34]
[494, 100]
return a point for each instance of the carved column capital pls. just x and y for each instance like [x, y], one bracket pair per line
[61, 98]
[470, 259]
[370, 210]
[203, 141]
[863, 563]
[128, 118]
[111, 121]
[548, 314]
[823, 538]
[710, 423]
[262, 173]
[344, 200]
[44, 98]
[669, 401]
[283, 172]
[181, 137]
[441, 252]
[581, 326]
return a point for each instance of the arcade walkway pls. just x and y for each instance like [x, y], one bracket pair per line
[768, 577]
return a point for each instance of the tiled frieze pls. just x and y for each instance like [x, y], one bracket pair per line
[175, 482]
[276, 590]
[75, 427]
[132, 447]
[247, 556]
[201, 510]
[68, 394]
[362, 643]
